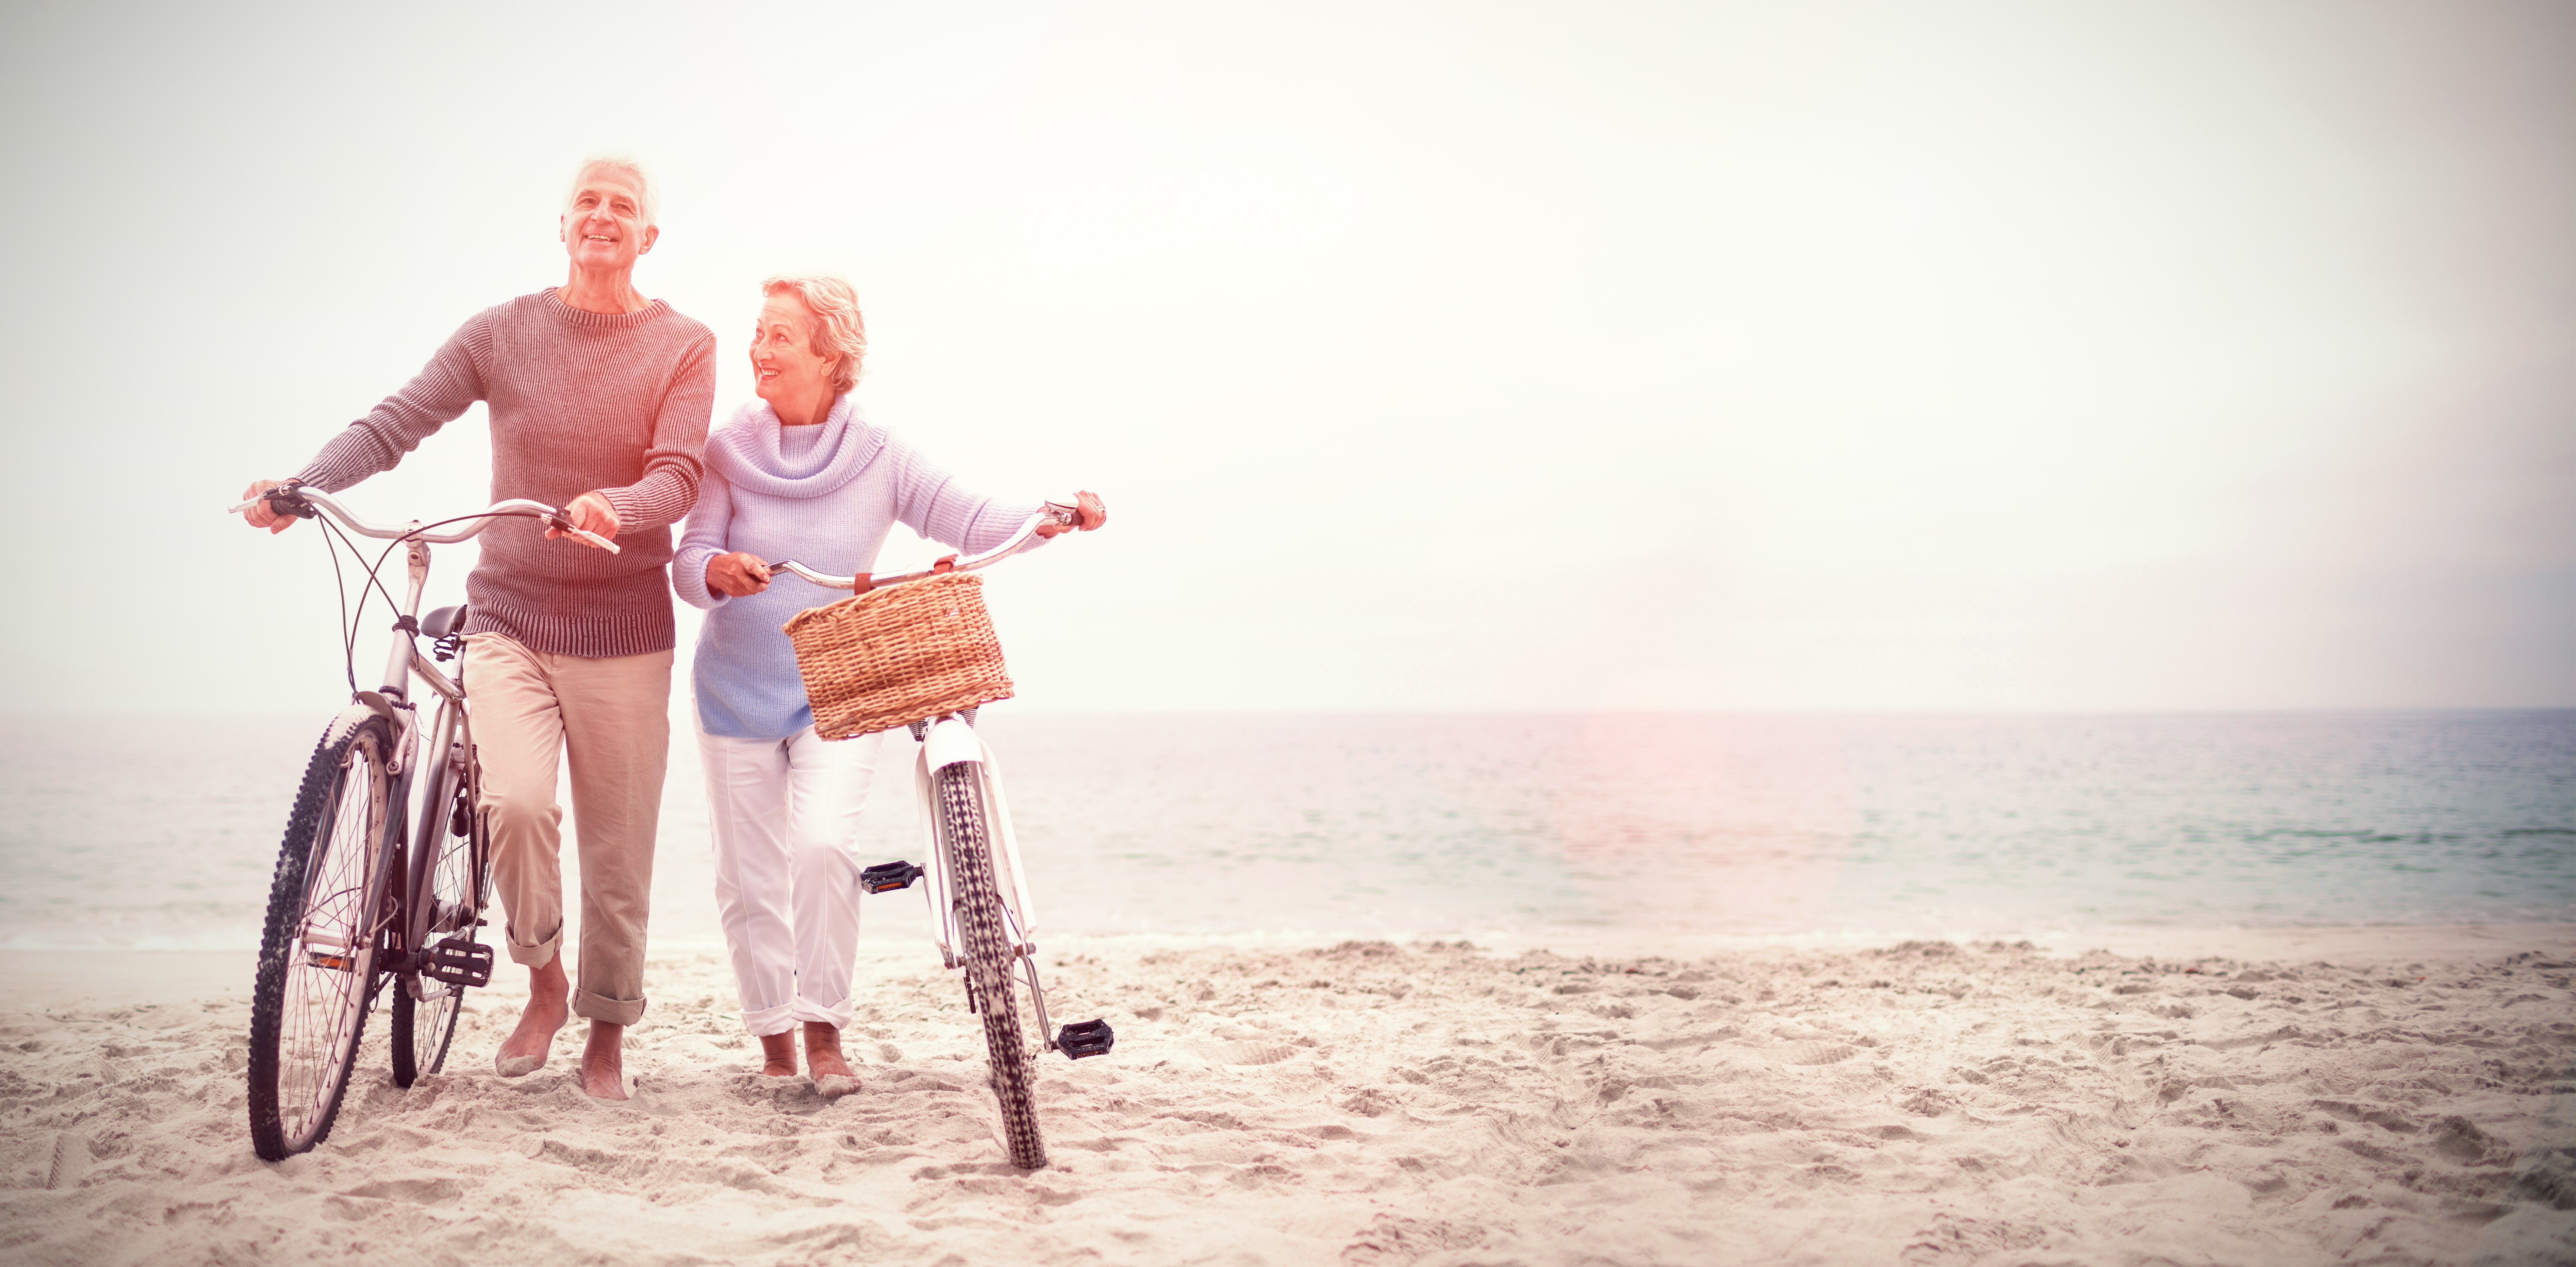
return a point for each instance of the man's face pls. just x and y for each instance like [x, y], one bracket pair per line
[603, 227]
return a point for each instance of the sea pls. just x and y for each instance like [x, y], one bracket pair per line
[143, 831]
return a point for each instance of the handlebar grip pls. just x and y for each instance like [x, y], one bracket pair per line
[281, 499]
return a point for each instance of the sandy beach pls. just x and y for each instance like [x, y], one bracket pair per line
[2372, 1095]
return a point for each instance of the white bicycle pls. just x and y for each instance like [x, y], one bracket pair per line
[981, 917]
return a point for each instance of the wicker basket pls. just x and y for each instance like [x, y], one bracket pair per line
[879, 660]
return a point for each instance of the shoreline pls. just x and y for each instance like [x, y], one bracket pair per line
[44, 979]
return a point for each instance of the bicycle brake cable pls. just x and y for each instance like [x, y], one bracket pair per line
[349, 632]
[348, 620]
[348, 645]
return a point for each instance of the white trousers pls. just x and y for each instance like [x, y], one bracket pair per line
[785, 813]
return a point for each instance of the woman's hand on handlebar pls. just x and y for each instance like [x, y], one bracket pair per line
[737, 575]
[589, 512]
[1089, 512]
[259, 515]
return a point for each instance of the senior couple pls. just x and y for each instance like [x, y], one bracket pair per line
[599, 402]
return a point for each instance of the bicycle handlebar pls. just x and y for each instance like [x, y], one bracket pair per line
[300, 500]
[1018, 541]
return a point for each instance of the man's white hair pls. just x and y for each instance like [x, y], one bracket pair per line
[648, 190]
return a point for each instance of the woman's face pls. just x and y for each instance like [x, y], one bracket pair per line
[784, 366]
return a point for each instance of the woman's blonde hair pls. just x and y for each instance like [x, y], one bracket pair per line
[838, 329]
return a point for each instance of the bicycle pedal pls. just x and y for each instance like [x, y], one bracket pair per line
[1085, 1038]
[458, 961]
[886, 877]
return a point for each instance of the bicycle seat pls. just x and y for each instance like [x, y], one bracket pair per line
[445, 622]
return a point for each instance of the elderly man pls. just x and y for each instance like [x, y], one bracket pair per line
[599, 402]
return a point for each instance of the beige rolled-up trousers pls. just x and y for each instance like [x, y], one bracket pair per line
[611, 715]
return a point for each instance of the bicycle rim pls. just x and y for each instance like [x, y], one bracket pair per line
[989, 960]
[318, 950]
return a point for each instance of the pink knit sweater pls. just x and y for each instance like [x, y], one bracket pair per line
[580, 402]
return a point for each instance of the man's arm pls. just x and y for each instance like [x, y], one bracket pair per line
[677, 456]
[444, 388]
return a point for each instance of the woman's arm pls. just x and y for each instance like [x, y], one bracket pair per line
[929, 501]
[710, 522]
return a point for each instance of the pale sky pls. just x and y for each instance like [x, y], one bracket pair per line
[1484, 356]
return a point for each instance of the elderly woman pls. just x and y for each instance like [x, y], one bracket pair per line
[799, 474]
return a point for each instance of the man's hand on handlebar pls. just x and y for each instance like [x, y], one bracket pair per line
[737, 575]
[258, 514]
[590, 513]
[1088, 513]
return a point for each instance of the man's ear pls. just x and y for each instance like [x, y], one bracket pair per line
[563, 225]
[651, 232]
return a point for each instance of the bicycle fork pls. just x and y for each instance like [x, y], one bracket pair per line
[951, 741]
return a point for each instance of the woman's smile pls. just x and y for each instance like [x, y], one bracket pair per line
[786, 369]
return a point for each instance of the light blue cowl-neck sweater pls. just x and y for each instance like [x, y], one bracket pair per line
[824, 495]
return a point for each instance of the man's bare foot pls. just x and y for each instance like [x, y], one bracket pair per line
[778, 1054]
[603, 1063]
[525, 1049]
[832, 1074]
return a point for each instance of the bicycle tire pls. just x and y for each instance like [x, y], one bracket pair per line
[989, 958]
[449, 884]
[309, 1010]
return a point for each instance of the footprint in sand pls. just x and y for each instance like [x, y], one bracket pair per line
[1250, 1053]
[1814, 1053]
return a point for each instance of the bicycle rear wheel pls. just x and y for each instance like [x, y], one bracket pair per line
[448, 884]
[317, 955]
[990, 956]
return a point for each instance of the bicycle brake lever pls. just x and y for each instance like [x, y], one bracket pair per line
[564, 526]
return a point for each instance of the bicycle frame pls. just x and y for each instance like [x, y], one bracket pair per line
[392, 698]
[413, 835]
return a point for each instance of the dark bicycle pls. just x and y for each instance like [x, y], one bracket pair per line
[384, 874]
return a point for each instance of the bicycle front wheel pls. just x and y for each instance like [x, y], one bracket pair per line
[317, 955]
[447, 897]
[990, 956]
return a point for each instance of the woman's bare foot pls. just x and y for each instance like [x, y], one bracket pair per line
[778, 1054]
[603, 1065]
[832, 1074]
[549, 993]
